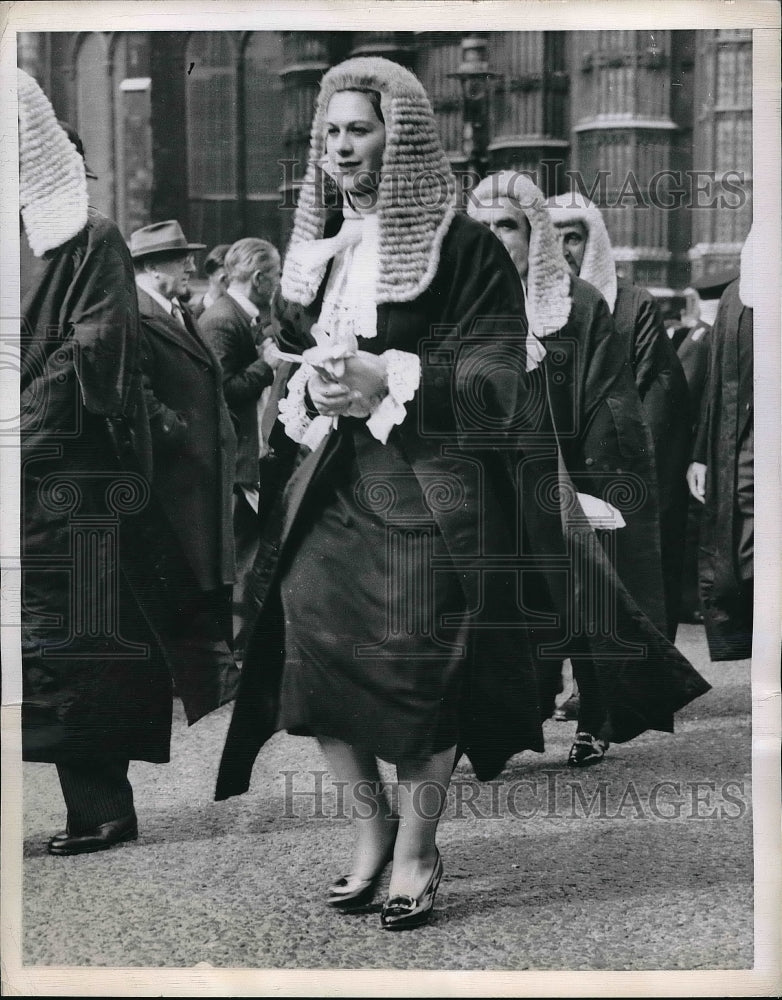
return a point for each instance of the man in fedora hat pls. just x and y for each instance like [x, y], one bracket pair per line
[193, 441]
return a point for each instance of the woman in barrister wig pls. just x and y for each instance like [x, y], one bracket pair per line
[393, 622]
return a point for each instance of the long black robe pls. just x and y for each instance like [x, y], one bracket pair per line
[102, 576]
[663, 391]
[605, 442]
[478, 425]
[724, 445]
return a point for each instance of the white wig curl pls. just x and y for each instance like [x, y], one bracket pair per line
[416, 193]
[52, 178]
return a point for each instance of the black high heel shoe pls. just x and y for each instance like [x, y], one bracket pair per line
[401, 913]
[344, 898]
[586, 750]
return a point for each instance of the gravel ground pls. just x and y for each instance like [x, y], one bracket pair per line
[641, 863]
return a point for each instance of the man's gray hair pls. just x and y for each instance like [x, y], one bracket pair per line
[249, 255]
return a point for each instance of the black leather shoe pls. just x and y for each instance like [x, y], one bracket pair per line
[401, 913]
[586, 750]
[116, 831]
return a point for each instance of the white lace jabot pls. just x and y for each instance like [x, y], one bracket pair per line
[349, 310]
[349, 302]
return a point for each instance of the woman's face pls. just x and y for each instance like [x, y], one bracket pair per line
[355, 140]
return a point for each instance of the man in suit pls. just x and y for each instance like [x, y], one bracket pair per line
[193, 440]
[605, 444]
[237, 328]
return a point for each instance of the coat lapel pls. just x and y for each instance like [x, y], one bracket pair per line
[157, 318]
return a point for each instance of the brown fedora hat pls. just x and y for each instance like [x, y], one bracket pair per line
[160, 237]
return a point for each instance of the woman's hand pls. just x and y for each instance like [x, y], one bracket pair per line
[330, 398]
[365, 375]
[356, 393]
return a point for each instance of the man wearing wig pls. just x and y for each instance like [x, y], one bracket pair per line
[604, 442]
[103, 576]
[658, 375]
[389, 623]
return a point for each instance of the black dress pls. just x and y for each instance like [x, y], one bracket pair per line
[370, 660]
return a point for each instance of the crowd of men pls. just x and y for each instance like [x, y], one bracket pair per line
[659, 443]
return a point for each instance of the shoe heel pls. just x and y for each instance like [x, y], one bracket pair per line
[405, 912]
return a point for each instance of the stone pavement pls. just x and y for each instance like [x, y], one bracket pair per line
[643, 862]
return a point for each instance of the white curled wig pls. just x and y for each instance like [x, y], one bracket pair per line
[548, 277]
[52, 178]
[598, 267]
[416, 193]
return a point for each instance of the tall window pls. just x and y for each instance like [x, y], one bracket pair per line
[440, 57]
[133, 135]
[211, 115]
[263, 100]
[723, 137]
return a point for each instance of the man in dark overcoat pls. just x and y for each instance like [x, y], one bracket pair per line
[721, 475]
[605, 444]
[657, 371]
[193, 438]
[102, 573]
[692, 339]
[237, 328]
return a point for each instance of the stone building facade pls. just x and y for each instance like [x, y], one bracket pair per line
[213, 127]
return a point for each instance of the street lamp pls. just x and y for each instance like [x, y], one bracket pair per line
[475, 80]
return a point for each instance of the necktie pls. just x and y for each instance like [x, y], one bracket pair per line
[176, 312]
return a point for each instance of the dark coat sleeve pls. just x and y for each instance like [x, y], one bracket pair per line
[693, 354]
[601, 400]
[168, 427]
[480, 379]
[95, 315]
[243, 381]
[103, 313]
[658, 371]
[649, 354]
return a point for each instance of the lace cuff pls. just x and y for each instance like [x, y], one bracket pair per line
[403, 375]
[293, 415]
[293, 408]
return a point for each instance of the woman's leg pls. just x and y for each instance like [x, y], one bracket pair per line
[423, 786]
[366, 803]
